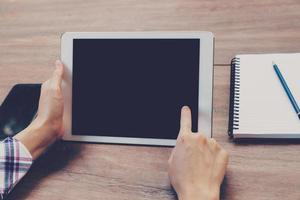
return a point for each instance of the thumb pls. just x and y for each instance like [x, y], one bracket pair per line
[58, 72]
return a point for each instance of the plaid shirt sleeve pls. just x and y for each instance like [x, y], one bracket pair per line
[15, 161]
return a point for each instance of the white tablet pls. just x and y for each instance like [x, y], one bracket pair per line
[129, 87]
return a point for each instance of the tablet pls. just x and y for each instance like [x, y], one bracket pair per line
[129, 87]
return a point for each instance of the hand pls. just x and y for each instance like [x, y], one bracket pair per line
[197, 164]
[48, 125]
[51, 105]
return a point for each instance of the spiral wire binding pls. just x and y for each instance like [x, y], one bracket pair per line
[234, 96]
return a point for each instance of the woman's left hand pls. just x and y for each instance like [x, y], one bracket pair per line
[48, 125]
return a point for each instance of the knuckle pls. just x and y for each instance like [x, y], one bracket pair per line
[55, 89]
[217, 146]
[45, 85]
[58, 89]
[213, 144]
[224, 154]
[183, 137]
[201, 138]
[213, 141]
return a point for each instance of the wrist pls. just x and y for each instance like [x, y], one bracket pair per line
[37, 137]
[200, 195]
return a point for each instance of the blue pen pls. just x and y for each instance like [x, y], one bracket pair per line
[287, 90]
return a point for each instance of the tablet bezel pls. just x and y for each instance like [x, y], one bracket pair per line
[205, 83]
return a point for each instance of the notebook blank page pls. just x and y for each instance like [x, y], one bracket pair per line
[264, 105]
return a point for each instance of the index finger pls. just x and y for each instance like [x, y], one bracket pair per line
[185, 120]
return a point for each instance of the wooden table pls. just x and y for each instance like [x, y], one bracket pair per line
[30, 42]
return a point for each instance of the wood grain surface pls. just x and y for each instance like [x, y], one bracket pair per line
[30, 42]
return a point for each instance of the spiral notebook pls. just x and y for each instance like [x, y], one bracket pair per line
[259, 106]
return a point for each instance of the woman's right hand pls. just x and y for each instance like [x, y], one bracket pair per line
[197, 164]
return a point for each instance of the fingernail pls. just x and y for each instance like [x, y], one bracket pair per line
[185, 107]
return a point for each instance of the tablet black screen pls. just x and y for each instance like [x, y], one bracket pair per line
[134, 87]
